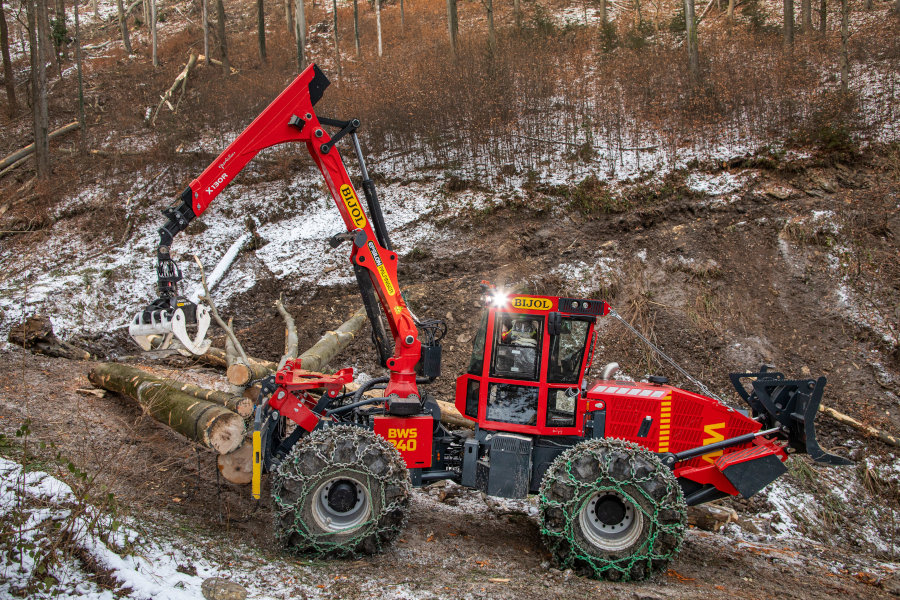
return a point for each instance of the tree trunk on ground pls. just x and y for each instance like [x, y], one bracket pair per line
[36, 334]
[337, 47]
[845, 38]
[690, 23]
[204, 422]
[205, 16]
[37, 40]
[492, 35]
[788, 22]
[153, 37]
[261, 30]
[452, 24]
[823, 16]
[223, 43]
[237, 467]
[356, 26]
[123, 26]
[300, 34]
[378, 25]
[29, 149]
[216, 357]
[333, 342]
[8, 77]
[81, 120]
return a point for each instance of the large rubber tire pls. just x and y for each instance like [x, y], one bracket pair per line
[611, 510]
[341, 491]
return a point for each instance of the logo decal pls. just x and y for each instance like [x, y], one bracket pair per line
[385, 278]
[352, 204]
[215, 184]
[225, 162]
[531, 303]
[404, 440]
[713, 436]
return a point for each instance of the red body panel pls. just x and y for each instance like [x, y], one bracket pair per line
[411, 436]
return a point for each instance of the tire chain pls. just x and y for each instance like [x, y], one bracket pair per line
[668, 518]
[326, 451]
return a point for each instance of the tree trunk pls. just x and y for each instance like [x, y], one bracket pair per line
[289, 16]
[402, 16]
[868, 4]
[8, 77]
[96, 10]
[690, 23]
[637, 14]
[788, 22]
[60, 33]
[300, 34]
[261, 30]
[517, 12]
[806, 16]
[333, 342]
[123, 25]
[603, 16]
[356, 26]
[44, 21]
[492, 35]
[81, 119]
[153, 41]
[845, 38]
[223, 43]
[452, 24]
[37, 40]
[823, 15]
[29, 149]
[205, 16]
[378, 25]
[209, 424]
[337, 47]
[731, 11]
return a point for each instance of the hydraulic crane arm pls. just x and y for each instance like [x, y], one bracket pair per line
[291, 118]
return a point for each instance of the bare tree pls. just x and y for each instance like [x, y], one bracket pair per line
[223, 43]
[123, 25]
[805, 16]
[731, 11]
[402, 17]
[868, 4]
[356, 26]
[452, 24]
[153, 33]
[289, 16]
[823, 14]
[378, 25]
[690, 23]
[603, 16]
[517, 11]
[492, 36]
[59, 30]
[788, 22]
[205, 16]
[8, 76]
[300, 33]
[81, 119]
[337, 48]
[37, 41]
[845, 38]
[261, 29]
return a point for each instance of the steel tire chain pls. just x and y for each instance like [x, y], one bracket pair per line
[324, 446]
[667, 521]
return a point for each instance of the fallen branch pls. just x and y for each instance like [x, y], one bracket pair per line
[867, 429]
[215, 313]
[221, 267]
[207, 423]
[29, 149]
[181, 79]
[36, 334]
[291, 343]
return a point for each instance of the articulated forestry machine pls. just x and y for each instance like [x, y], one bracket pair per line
[615, 463]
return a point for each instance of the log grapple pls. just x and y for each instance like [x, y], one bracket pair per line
[614, 463]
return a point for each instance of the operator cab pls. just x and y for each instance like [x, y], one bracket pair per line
[528, 359]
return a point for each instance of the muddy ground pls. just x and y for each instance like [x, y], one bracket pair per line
[723, 282]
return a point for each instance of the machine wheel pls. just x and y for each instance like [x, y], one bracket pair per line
[339, 492]
[611, 510]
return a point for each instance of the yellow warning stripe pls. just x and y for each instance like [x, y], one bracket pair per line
[665, 419]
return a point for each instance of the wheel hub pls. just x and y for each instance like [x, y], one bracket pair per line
[611, 521]
[341, 504]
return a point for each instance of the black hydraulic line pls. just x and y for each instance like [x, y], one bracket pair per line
[701, 450]
[365, 387]
[371, 195]
[342, 409]
[438, 475]
[706, 494]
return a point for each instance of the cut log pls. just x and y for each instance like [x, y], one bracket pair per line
[202, 421]
[291, 343]
[36, 334]
[867, 429]
[237, 467]
[451, 416]
[29, 149]
[239, 374]
[333, 342]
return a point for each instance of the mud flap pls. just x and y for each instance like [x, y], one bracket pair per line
[790, 404]
[752, 469]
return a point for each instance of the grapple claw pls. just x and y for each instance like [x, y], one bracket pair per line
[164, 325]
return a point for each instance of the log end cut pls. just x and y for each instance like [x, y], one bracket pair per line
[237, 467]
[225, 432]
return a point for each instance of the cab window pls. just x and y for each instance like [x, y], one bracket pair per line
[517, 346]
[476, 362]
[567, 350]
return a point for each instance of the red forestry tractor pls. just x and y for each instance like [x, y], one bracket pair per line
[614, 463]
